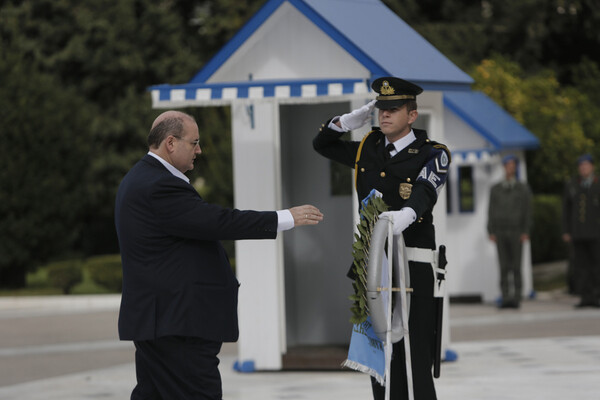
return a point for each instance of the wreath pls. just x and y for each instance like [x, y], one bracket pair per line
[369, 214]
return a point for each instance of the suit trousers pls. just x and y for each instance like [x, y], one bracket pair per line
[177, 368]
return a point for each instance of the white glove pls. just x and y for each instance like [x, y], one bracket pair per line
[401, 219]
[357, 118]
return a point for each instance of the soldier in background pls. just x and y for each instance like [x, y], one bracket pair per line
[509, 222]
[581, 228]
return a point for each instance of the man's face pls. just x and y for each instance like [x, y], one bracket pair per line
[585, 169]
[395, 122]
[186, 147]
[511, 168]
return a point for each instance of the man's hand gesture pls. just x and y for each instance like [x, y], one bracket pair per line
[306, 215]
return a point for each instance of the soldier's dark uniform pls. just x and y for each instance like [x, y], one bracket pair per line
[412, 178]
[581, 220]
[509, 216]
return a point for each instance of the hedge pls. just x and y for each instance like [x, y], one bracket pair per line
[546, 240]
[106, 271]
[65, 274]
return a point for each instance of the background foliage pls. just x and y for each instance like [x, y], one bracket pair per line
[74, 110]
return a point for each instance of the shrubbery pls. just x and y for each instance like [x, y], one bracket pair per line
[106, 271]
[65, 274]
[546, 241]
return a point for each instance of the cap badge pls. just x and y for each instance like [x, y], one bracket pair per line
[386, 89]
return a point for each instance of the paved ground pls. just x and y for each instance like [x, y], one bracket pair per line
[66, 348]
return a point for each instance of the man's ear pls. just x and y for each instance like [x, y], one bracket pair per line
[412, 116]
[170, 143]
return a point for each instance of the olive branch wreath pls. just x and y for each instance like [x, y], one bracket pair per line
[369, 214]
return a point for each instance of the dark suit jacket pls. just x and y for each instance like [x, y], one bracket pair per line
[176, 276]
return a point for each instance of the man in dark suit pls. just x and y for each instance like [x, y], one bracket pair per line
[409, 170]
[179, 299]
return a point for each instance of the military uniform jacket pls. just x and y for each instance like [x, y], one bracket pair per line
[581, 209]
[412, 178]
[509, 208]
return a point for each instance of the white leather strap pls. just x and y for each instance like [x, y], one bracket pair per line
[421, 255]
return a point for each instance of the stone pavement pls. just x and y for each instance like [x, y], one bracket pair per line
[547, 350]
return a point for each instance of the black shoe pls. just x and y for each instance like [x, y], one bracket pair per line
[509, 304]
[584, 304]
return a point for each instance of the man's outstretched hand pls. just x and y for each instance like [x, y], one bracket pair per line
[306, 215]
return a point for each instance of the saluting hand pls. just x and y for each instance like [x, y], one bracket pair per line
[306, 215]
[357, 118]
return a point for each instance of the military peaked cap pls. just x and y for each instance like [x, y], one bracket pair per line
[394, 92]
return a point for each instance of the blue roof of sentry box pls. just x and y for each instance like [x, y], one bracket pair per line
[380, 41]
[490, 120]
[371, 33]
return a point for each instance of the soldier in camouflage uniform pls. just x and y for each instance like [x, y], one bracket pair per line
[509, 222]
[581, 228]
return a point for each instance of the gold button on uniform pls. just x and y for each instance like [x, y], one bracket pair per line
[362, 170]
[382, 174]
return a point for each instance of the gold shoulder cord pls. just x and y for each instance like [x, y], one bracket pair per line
[360, 146]
[443, 147]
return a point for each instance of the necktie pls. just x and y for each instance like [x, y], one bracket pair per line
[389, 148]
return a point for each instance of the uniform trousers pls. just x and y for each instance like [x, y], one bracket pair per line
[510, 247]
[587, 269]
[177, 368]
[421, 323]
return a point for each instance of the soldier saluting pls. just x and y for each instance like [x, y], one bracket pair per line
[409, 170]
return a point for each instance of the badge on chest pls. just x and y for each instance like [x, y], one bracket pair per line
[405, 190]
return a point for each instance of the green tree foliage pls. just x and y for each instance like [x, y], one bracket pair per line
[539, 34]
[216, 21]
[546, 242]
[547, 64]
[45, 155]
[536, 34]
[548, 110]
[456, 28]
[75, 111]
[586, 79]
[85, 67]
